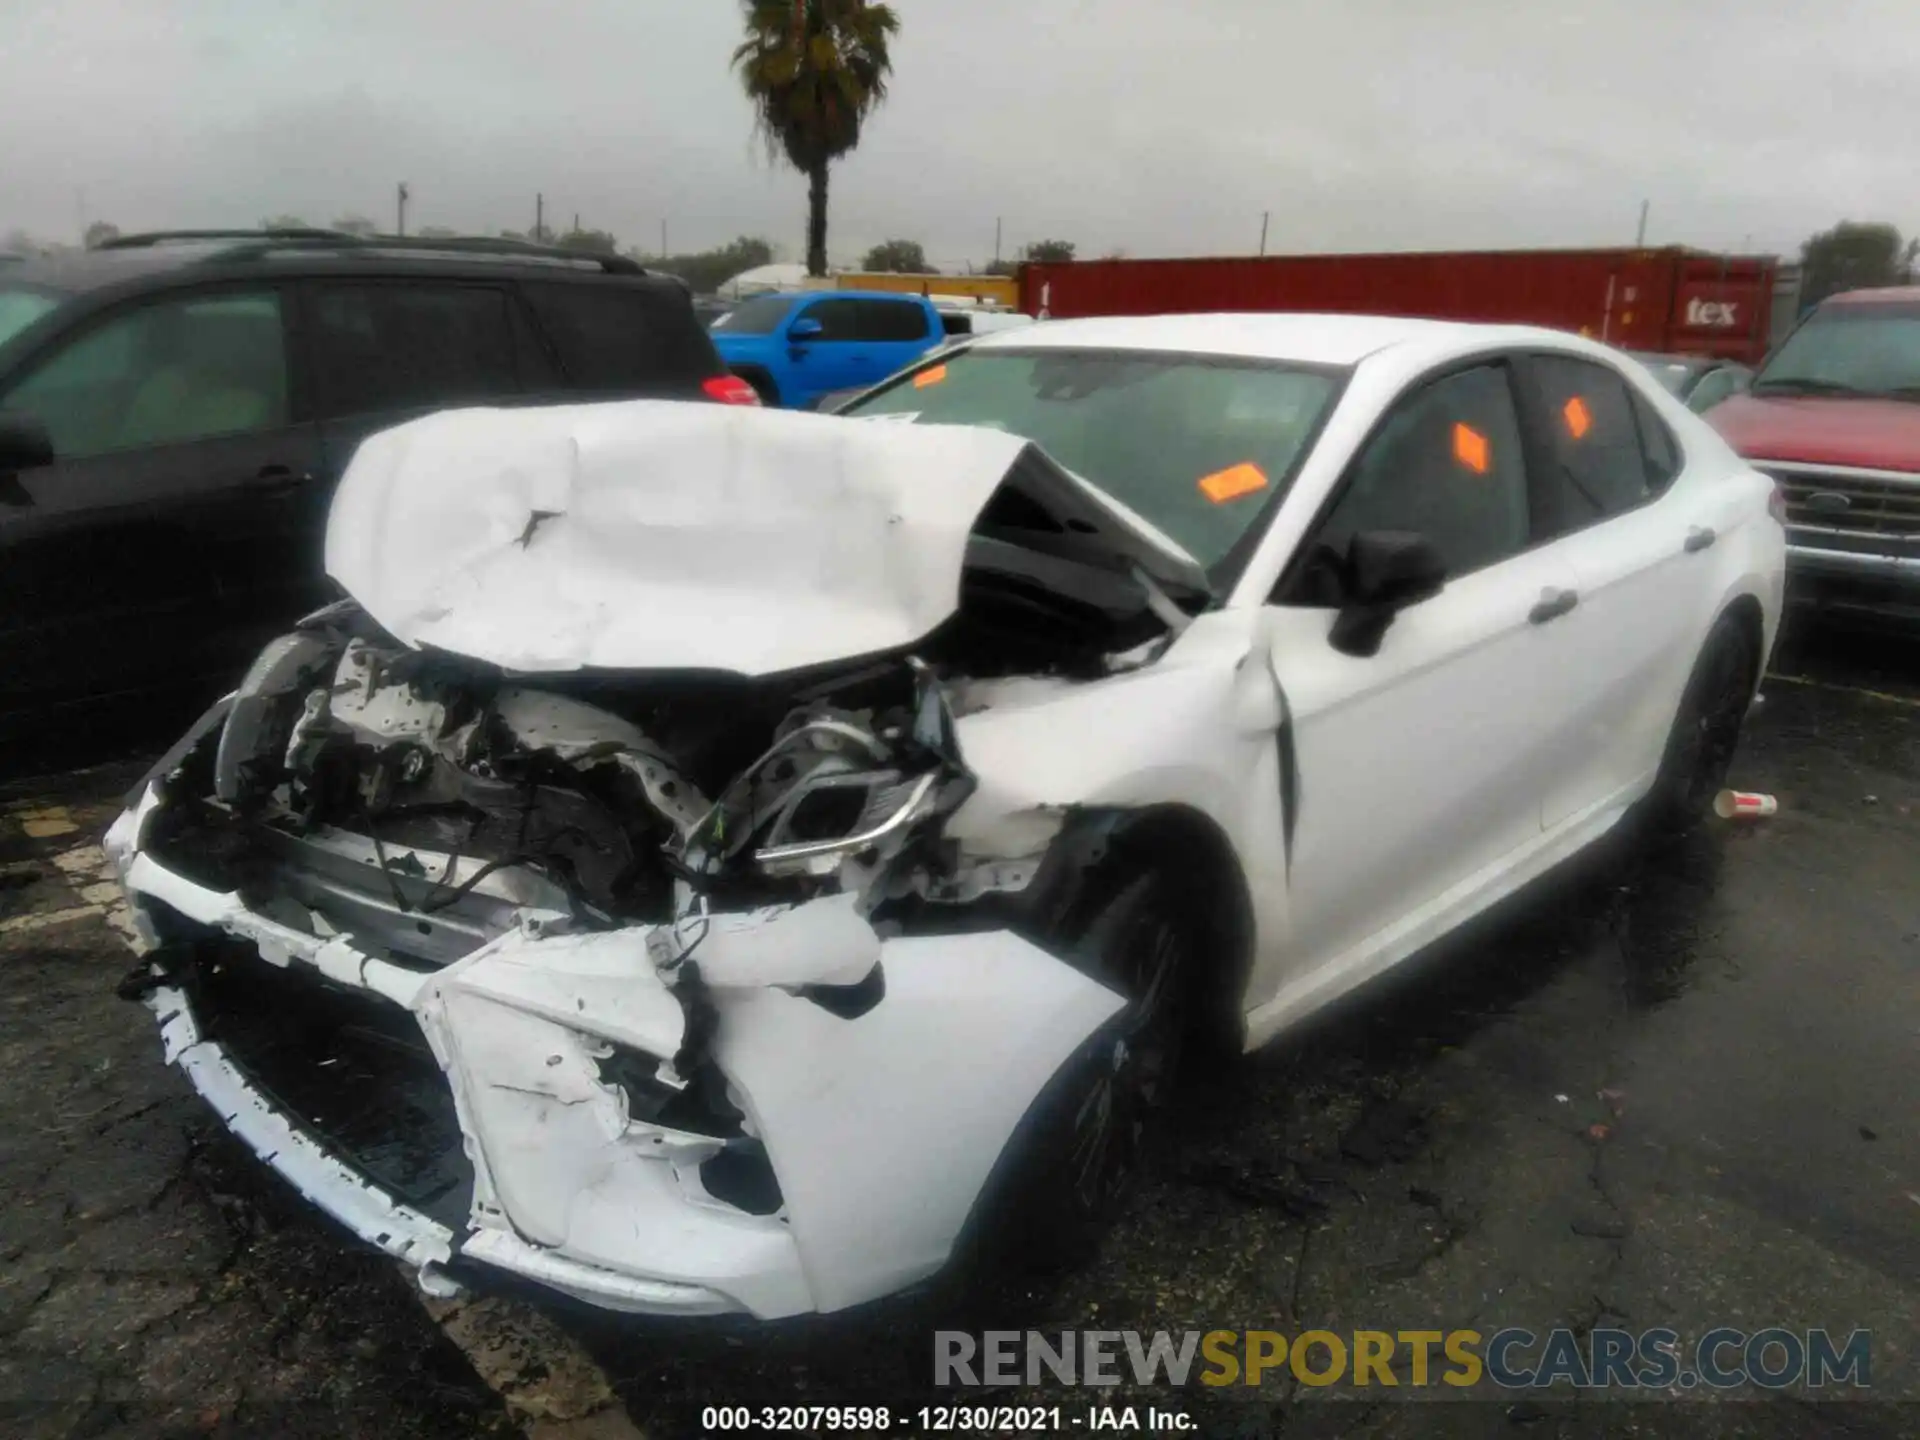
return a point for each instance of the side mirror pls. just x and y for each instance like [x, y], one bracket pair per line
[24, 444]
[803, 329]
[1386, 571]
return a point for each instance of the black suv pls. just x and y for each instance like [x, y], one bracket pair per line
[175, 410]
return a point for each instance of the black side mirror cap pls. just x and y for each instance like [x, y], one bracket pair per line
[24, 444]
[1386, 571]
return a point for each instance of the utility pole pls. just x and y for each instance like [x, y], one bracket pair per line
[1265, 216]
[663, 237]
[576, 222]
[996, 241]
[400, 207]
[539, 216]
[1641, 238]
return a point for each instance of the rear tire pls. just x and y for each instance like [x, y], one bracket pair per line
[1706, 731]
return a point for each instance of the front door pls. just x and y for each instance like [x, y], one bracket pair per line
[1420, 768]
[861, 341]
[153, 555]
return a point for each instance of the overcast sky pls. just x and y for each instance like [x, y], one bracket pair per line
[1146, 126]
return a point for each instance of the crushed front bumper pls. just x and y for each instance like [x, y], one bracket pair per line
[880, 1129]
[377, 1217]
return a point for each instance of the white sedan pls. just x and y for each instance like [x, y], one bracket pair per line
[727, 860]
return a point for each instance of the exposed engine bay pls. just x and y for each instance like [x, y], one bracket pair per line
[699, 956]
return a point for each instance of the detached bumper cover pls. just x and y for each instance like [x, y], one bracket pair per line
[880, 1130]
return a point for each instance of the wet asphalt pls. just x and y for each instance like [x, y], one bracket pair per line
[1676, 1085]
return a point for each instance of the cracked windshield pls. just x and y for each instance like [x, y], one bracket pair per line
[835, 717]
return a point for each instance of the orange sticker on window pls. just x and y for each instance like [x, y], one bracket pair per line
[1470, 448]
[929, 377]
[1578, 420]
[1233, 482]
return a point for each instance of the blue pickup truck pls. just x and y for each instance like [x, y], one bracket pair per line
[794, 349]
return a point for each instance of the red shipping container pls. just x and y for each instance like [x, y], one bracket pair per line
[1672, 300]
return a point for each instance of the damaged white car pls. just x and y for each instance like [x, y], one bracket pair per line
[729, 861]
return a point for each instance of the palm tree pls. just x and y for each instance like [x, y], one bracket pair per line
[814, 70]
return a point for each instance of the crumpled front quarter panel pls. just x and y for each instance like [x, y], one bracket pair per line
[882, 1129]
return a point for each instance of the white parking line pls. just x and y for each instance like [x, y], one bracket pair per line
[1910, 701]
[552, 1387]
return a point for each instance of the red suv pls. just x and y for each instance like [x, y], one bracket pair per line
[1834, 417]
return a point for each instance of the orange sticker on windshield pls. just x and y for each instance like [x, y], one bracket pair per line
[1233, 482]
[929, 377]
[1470, 448]
[1578, 420]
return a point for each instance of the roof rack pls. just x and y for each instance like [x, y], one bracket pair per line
[483, 245]
[255, 244]
[146, 240]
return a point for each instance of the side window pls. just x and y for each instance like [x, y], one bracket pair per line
[839, 319]
[622, 337]
[1446, 463]
[1597, 466]
[956, 322]
[400, 346]
[1662, 450]
[892, 320]
[181, 369]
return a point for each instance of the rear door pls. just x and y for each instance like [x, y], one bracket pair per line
[390, 350]
[1637, 545]
[1421, 768]
[154, 553]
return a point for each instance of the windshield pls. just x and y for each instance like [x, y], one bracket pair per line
[1198, 447]
[759, 316]
[20, 307]
[1849, 350]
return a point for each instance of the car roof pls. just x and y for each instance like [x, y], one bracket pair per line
[1306, 339]
[133, 257]
[864, 295]
[1689, 362]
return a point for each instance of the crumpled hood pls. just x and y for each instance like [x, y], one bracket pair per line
[670, 535]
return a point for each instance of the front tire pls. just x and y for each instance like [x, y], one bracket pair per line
[1706, 731]
[1079, 1151]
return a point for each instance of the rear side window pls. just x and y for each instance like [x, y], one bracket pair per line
[893, 320]
[1661, 449]
[408, 346]
[1596, 464]
[624, 337]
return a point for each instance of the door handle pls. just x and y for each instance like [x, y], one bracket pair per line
[279, 479]
[1699, 538]
[1553, 604]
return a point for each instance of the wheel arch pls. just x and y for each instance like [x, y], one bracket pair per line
[1101, 851]
[1744, 610]
[761, 378]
